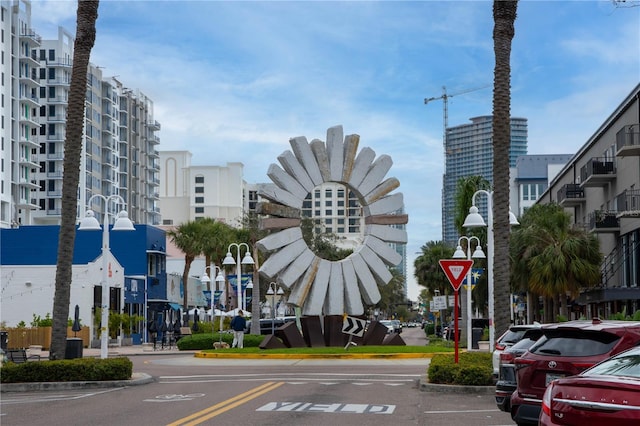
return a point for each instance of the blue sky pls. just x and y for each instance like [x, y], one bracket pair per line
[234, 81]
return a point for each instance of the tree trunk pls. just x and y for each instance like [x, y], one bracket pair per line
[504, 15]
[87, 14]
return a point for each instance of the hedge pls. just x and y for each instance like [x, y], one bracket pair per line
[72, 370]
[473, 369]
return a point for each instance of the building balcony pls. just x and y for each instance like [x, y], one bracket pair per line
[154, 125]
[571, 195]
[29, 100]
[31, 143]
[628, 141]
[32, 36]
[62, 81]
[628, 203]
[597, 172]
[29, 183]
[603, 221]
[59, 100]
[29, 162]
[31, 121]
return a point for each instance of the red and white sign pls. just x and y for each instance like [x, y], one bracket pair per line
[456, 270]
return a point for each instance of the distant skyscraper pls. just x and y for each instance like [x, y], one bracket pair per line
[469, 152]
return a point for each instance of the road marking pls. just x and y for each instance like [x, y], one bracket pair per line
[310, 407]
[224, 406]
[175, 397]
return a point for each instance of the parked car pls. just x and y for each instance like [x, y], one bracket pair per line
[509, 338]
[397, 326]
[389, 324]
[506, 384]
[565, 349]
[608, 393]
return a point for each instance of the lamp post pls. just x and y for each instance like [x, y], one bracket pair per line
[477, 254]
[273, 292]
[247, 260]
[475, 220]
[206, 280]
[246, 289]
[90, 223]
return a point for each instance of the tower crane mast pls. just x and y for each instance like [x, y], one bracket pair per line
[445, 100]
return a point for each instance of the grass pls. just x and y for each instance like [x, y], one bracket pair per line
[378, 350]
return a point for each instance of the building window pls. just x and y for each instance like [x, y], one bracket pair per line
[328, 212]
[199, 179]
[199, 200]
[327, 203]
[328, 193]
[328, 221]
[199, 209]
[167, 221]
[52, 73]
[52, 54]
[199, 190]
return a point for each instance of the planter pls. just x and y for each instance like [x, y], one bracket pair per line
[483, 345]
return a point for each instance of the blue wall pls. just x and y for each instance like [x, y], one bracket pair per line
[38, 245]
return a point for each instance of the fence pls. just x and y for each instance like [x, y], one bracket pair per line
[22, 338]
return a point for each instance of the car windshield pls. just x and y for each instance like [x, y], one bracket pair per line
[565, 342]
[626, 364]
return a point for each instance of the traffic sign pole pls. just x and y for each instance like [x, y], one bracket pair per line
[455, 270]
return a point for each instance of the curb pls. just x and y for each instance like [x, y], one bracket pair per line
[425, 386]
[136, 380]
[416, 355]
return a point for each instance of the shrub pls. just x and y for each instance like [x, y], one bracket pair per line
[81, 369]
[200, 341]
[430, 329]
[473, 369]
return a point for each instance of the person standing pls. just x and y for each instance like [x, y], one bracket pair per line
[238, 325]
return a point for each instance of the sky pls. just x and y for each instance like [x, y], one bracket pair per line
[234, 81]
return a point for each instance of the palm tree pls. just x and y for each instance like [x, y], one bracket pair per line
[465, 188]
[550, 258]
[87, 15]
[504, 16]
[188, 238]
[427, 269]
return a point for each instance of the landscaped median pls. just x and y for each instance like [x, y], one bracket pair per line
[329, 352]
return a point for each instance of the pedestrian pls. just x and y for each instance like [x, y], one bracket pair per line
[238, 325]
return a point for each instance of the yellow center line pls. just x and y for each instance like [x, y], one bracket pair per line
[221, 407]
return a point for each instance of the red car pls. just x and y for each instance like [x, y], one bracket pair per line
[565, 349]
[607, 394]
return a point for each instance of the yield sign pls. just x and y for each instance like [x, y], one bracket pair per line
[353, 326]
[456, 270]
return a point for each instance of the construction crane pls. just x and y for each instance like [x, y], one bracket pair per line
[445, 97]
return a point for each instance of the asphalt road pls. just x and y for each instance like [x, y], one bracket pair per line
[194, 391]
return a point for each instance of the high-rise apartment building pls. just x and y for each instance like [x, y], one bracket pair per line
[119, 142]
[335, 209]
[469, 152]
[18, 113]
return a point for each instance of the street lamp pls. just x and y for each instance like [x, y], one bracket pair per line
[90, 223]
[477, 254]
[273, 292]
[247, 260]
[246, 290]
[475, 220]
[206, 280]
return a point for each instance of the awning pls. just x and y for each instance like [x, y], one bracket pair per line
[175, 306]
